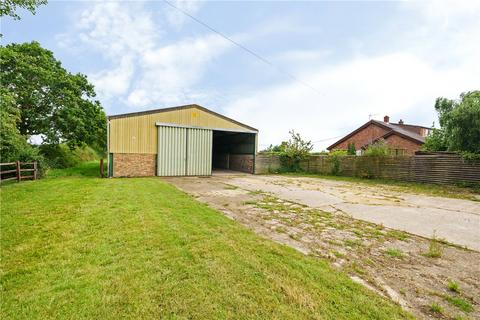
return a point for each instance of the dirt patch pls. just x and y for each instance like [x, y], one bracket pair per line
[418, 273]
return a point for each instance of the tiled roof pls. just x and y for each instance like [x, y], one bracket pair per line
[393, 129]
[397, 129]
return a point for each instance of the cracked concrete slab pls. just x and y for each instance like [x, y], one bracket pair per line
[455, 220]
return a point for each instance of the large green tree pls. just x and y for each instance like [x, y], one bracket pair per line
[49, 100]
[9, 7]
[459, 124]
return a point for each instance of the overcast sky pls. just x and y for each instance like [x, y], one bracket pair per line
[348, 60]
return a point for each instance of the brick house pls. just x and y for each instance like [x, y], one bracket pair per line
[404, 139]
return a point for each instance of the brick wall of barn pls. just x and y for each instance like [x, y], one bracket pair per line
[241, 162]
[134, 164]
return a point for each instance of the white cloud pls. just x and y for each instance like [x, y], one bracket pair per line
[177, 18]
[169, 72]
[400, 85]
[144, 72]
[435, 56]
[110, 83]
[115, 29]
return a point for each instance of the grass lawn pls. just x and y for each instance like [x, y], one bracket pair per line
[76, 246]
[469, 193]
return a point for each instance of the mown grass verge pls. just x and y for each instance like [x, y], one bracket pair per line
[77, 246]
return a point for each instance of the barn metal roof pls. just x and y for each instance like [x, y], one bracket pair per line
[189, 106]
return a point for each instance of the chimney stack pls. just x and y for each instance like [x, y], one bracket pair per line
[400, 122]
[386, 119]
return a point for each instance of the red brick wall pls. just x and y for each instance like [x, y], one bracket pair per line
[134, 164]
[397, 142]
[365, 136]
[241, 162]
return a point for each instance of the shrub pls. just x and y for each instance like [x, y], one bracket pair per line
[335, 158]
[351, 150]
[61, 156]
[377, 149]
[294, 151]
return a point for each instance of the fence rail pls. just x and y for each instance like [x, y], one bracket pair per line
[31, 169]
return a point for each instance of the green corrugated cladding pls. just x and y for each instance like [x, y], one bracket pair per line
[199, 152]
[172, 151]
[184, 151]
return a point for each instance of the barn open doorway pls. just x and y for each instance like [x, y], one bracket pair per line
[233, 151]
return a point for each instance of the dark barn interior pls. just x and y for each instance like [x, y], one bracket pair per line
[233, 151]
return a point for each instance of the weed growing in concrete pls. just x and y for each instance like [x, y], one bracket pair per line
[460, 303]
[436, 308]
[435, 249]
[399, 235]
[338, 254]
[394, 253]
[453, 286]
[256, 192]
[352, 242]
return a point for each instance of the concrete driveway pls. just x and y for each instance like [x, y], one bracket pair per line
[455, 220]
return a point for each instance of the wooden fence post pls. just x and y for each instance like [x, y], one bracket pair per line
[34, 170]
[101, 168]
[19, 177]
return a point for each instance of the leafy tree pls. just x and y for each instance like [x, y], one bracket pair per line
[435, 141]
[295, 150]
[9, 7]
[50, 101]
[459, 124]
[275, 149]
[13, 146]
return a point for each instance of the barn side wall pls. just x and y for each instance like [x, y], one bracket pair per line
[138, 134]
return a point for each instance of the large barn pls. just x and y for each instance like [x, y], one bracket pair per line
[180, 141]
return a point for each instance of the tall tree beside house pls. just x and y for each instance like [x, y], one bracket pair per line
[48, 100]
[459, 125]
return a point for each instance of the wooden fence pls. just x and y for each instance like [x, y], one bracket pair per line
[16, 171]
[429, 168]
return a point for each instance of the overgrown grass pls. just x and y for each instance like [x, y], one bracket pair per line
[453, 286]
[460, 303]
[76, 246]
[435, 249]
[394, 253]
[402, 186]
[436, 308]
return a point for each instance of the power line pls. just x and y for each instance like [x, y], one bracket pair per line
[323, 140]
[251, 52]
